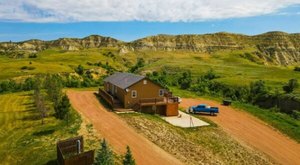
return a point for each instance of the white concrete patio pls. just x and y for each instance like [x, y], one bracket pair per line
[185, 120]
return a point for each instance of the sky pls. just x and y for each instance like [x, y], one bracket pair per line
[129, 20]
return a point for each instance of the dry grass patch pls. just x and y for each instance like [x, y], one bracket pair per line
[205, 145]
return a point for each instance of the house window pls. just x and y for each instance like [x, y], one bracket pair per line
[133, 93]
[161, 92]
[145, 82]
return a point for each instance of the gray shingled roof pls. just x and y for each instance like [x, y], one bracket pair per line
[123, 80]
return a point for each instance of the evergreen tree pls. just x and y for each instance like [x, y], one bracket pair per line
[104, 155]
[290, 86]
[62, 108]
[128, 159]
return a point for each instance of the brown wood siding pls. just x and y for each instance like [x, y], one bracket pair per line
[172, 109]
[119, 94]
[149, 90]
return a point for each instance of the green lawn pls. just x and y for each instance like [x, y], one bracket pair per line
[23, 139]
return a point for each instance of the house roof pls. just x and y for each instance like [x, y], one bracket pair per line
[123, 80]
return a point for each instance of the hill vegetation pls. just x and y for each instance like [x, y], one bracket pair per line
[269, 48]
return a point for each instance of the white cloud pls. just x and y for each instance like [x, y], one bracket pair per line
[141, 10]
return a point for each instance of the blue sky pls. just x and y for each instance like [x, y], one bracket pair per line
[33, 19]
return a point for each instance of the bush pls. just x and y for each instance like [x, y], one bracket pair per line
[296, 114]
[297, 68]
[290, 86]
[210, 75]
[27, 68]
[79, 70]
[32, 55]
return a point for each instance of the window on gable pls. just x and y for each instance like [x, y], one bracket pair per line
[133, 93]
[145, 82]
[161, 92]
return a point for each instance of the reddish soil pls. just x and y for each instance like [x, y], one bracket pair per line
[117, 132]
[252, 131]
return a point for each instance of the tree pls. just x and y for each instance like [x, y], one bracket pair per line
[79, 70]
[53, 84]
[39, 100]
[128, 159]
[104, 155]
[140, 63]
[258, 90]
[62, 108]
[290, 86]
[185, 80]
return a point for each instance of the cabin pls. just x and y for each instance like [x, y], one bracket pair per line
[130, 91]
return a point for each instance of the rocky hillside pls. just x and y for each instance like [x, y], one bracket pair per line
[272, 47]
[93, 41]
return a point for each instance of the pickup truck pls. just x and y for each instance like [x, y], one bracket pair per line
[203, 108]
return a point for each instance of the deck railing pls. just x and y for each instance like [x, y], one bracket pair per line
[106, 96]
[159, 100]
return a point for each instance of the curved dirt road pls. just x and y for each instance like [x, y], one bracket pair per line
[117, 132]
[253, 132]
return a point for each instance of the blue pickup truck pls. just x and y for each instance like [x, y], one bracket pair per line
[203, 108]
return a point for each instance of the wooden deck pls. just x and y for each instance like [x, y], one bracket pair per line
[158, 101]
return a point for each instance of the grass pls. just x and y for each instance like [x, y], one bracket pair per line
[57, 61]
[23, 139]
[227, 63]
[206, 145]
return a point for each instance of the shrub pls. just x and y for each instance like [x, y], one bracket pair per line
[32, 55]
[290, 86]
[27, 68]
[79, 70]
[297, 68]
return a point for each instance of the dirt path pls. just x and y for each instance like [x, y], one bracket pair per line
[253, 132]
[117, 132]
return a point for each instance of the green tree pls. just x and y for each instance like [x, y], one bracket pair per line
[79, 70]
[53, 85]
[104, 155]
[258, 90]
[185, 80]
[140, 63]
[128, 158]
[290, 86]
[39, 100]
[62, 108]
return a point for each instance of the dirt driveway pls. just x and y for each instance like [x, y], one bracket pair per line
[252, 131]
[117, 132]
